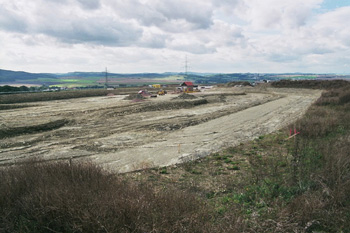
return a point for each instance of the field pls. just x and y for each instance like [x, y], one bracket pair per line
[126, 135]
[222, 160]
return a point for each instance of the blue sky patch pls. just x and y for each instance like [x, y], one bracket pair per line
[333, 4]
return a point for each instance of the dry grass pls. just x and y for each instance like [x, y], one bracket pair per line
[58, 197]
[324, 166]
[313, 84]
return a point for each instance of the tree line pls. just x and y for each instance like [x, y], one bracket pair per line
[7, 88]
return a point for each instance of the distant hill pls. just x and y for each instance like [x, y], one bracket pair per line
[102, 74]
[86, 79]
[8, 76]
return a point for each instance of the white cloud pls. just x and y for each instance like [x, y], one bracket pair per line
[334, 28]
[146, 35]
[277, 14]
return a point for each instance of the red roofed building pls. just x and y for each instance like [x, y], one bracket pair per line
[187, 86]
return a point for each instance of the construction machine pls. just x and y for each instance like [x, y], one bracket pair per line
[161, 92]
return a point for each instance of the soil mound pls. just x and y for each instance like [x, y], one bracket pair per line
[186, 96]
[134, 97]
[239, 83]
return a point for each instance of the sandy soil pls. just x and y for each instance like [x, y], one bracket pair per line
[125, 135]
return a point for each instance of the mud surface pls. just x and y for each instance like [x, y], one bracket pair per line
[125, 135]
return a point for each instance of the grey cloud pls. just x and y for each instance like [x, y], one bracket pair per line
[90, 4]
[229, 6]
[226, 2]
[227, 35]
[318, 50]
[199, 15]
[153, 40]
[11, 21]
[58, 1]
[133, 9]
[296, 17]
[95, 31]
[166, 14]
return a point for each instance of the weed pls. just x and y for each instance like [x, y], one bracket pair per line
[227, 160]
[196, 172]
[164, 171]
[235, 168]
[232, 150]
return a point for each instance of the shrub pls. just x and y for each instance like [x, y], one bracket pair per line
[312, 84]
[338, 96]
[58, 197]
[317, 122]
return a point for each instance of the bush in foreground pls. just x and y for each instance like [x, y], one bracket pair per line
[58, 197]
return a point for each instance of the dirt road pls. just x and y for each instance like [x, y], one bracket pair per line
[125, 135]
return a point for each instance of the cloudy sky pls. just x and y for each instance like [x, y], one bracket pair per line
[220, 36]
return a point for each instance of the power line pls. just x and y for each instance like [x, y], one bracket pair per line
[186, 66]
[106, 78]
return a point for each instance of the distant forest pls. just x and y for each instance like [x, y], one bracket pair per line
[8, 88]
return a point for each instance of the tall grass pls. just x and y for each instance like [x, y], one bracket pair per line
[324, 165]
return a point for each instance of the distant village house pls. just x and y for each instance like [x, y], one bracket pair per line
[187, 86]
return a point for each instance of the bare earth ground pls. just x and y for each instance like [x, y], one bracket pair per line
[125, 135]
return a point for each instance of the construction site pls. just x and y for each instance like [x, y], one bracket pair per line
[130, 132]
